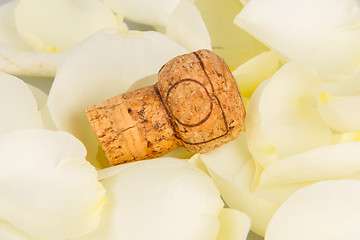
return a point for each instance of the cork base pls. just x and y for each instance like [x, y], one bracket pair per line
[132, 126]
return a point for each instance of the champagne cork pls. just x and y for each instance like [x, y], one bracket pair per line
[195, 103]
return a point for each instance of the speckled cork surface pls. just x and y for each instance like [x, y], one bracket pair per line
[195, 103]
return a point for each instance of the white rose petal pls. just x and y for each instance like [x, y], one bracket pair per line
[228, 40]
[235, 225]
[154, 12]
[18, 105]
[16, 56]
[233, 170]
[327, 162]
[164, 198]
[282, 118]
[340, 113]
[186, 27]
[47, 187]
[248, 75]
[325, 210]
[324, 34]
[58, 25]
[102, 67]
[339, 104]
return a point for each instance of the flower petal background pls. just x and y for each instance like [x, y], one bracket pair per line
[284, 107]
[234, 172]
[325, 210]
[186, 27]
[18, 105]
[49, 166]
[228, 40]
[58, 25]
[154, 13]
[179, 202]
[322, 34]
[16, 55]
[102, 67]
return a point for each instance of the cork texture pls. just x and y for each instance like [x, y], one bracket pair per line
[195, 103]
[201, 96]
[132, 126]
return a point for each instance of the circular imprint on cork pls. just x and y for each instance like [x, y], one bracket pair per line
[190, 102]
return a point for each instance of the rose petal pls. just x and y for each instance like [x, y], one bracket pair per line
[8, 231]
[325, 210]
[248, 77]
[51, 168]
[327, 162]
[282, 108]
[342, 114]
[229, 41]
[235, 225]
[233, 171]
[104, 66]
[18, 105]
[166, 198]
[323, 34]
[154, 12]
[58, 25]
[16, 56]
[186, 27]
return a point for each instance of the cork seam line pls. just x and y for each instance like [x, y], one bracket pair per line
[213, 89]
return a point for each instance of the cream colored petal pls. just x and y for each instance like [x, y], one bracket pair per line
[16, 55]
[325, 210]
[48, 189]
[164, 198]
[282, 117]
[250, 74]
[186, 27]
[234, 225]
[327, 162]
[8, 231]
[102, 67]
[8, 33]
[154, 12]
[40, 96]
[323, 34]
[227, 40]
[58, 25]
[18, 105]
[342, 114]
[233, 171]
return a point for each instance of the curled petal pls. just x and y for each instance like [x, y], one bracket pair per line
[325, 210]
[166, 198]
[151, 12]
[58, 25]
[307, 31]
[186, 26]
[227, 40]
[235, 225]
[248, 77]
[234, 172]
[282, 108]
[49, 166]
[340, 113]
[18, 105]
[102, 67]
[327, 162]
[16, 55]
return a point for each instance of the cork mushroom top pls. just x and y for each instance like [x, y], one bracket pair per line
[202, 100]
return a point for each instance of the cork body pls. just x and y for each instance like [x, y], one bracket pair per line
[202, 100]
[132, 126]
[195, 103]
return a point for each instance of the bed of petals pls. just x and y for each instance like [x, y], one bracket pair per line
[294, 173]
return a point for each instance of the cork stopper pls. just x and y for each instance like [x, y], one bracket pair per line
[195, 103]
